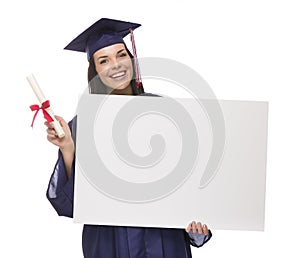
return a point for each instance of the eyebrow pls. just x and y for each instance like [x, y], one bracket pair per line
[121, 50]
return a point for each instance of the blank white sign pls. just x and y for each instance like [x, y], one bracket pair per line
[164, 162]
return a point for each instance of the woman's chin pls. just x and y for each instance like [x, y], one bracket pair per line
[121, 86]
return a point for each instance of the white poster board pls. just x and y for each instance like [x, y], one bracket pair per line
[162, 162]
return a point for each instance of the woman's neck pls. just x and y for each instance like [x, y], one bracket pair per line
[126, 91]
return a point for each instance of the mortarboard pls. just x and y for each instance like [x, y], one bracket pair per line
[102, 33]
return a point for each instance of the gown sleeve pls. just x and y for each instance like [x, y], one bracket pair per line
[198, 240]
[60, 190]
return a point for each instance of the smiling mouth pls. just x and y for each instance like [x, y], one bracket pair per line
[118, 75]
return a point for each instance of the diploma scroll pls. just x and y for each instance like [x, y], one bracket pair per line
[39, 94]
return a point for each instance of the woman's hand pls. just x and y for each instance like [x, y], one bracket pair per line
[199, 234]
[197, 228]
[65, 144]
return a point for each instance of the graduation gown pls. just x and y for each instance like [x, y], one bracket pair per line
[119, 241]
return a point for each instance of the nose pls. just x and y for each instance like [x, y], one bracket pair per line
[115, 64]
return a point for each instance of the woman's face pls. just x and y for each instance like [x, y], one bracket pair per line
[114, 66]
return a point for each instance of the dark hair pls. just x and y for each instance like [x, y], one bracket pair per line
[96, 86]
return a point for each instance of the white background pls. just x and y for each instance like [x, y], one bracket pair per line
[245, 50]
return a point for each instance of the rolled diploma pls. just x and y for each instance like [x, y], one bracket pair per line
[39, 94]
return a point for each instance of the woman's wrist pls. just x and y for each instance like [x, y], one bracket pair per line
[68, 148]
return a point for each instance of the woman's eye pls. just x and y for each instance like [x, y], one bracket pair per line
[123, 54]
[103, 61]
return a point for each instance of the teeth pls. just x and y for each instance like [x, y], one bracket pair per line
[118, 75]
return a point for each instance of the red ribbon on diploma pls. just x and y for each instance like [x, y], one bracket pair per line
[43, 107]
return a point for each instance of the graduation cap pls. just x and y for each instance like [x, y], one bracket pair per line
[102, 33]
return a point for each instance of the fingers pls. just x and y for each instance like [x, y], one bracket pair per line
[197, 228]
[50, 128]
[61, 121]
[194, 227]
[189, 228]
[48, 125]
[205, 229]
[52, 135]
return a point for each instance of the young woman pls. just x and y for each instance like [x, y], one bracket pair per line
[111, 71]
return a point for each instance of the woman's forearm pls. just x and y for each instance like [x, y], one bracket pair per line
[68, 156]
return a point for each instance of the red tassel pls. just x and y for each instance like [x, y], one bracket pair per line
[138, 78]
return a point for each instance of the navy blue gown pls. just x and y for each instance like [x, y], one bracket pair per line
[119, 241]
